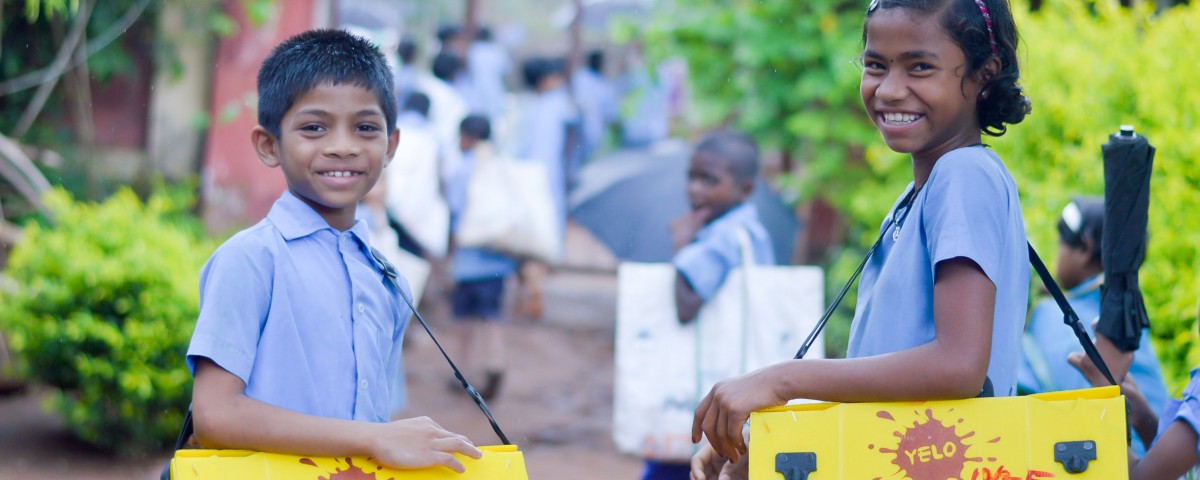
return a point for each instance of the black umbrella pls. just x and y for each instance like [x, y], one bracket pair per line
[1128, 158]
[628, 199]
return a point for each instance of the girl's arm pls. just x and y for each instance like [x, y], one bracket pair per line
[226, 418]
[952, 366]
[1173, 455]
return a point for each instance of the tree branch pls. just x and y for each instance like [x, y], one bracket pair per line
[60, 63]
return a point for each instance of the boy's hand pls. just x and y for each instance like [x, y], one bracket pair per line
[420, 443]
[710, 465]
[684, 228]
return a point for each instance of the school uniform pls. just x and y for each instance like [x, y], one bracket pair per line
[1186, 409]
[300, 312]
[478, 272]
[968, 208]
[704, 264]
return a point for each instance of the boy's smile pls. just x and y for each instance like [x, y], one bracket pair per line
[333, 145]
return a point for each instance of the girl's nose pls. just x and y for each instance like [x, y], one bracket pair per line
[892, 87]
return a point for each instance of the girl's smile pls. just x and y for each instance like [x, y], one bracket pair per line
[913, 86]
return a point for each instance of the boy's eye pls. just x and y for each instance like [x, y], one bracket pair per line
[312, 127]
[369, 127]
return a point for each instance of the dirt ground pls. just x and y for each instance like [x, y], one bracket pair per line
[556, 402]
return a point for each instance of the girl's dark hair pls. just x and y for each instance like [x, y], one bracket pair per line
[1003, 103]
[318, 57]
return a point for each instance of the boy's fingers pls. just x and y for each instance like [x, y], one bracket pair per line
[447, 460]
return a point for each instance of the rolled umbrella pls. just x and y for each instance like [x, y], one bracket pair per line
[1128, 159]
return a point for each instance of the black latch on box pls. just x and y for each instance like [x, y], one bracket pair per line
[796, 466]
[1075, 456]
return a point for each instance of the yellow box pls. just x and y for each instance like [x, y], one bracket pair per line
[502, 462]
[1010, 438]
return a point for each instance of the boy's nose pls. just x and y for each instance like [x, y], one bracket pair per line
[342, 144]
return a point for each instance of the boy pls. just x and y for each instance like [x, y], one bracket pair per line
[298, 334]
[1044, 347]
[478, 273]
[721, 177]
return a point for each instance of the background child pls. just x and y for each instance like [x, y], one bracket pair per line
[478, 273]
[721, 176]
[942, 301]
[298, 336]
[1045, 345]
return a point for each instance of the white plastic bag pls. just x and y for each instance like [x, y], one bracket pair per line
[759, 316]
[414, 195]
[509, 209]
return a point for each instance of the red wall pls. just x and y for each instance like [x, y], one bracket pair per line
[238, 190]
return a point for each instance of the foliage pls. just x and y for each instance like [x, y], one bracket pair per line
[784, 75]
[105, 302]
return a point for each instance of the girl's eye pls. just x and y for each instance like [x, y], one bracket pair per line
[922, 67]
[873, 65]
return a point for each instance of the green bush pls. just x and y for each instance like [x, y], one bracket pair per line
[1088, 67]
[105, 303]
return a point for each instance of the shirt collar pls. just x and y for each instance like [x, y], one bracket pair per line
[296, 219]
[741, 214]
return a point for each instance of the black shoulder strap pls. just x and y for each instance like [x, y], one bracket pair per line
[390, 275]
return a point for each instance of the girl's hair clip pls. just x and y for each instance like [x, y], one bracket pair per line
[874, 5]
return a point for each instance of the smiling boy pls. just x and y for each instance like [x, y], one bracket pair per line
[298, 334]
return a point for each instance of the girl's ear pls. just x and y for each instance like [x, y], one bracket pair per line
[988, 71]
[266, 146]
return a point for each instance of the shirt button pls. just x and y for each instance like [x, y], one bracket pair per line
[362, 384]
[361, 308]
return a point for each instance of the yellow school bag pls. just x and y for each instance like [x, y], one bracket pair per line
[1076, 435]
[499, 462]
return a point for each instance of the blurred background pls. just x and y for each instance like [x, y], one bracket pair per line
[125, 160]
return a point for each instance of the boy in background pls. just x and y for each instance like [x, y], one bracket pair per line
[478, 273]
[298, 335]
[721, 176]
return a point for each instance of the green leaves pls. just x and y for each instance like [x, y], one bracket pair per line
[105, 303]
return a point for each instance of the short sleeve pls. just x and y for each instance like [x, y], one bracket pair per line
[235, 298]
[706, 263]
[965, 213]
[1189, 406]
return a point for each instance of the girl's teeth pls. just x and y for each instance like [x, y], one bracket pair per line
[900, 118]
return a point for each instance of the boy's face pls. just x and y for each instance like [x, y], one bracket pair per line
[1071, 265]
[711, 186]
[332, 147]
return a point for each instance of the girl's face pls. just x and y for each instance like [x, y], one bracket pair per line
[912, 85]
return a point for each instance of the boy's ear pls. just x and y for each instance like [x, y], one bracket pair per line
[266, 146]
[393, 142]
[747, 187]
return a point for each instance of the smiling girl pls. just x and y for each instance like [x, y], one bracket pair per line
[942, 301]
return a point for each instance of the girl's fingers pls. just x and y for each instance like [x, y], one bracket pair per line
[700, 417]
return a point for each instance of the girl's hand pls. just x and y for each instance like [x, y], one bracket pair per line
[725, 409]
[419, 443]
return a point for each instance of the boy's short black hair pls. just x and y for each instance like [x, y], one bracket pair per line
[317, 57]
[537, 68]
[417, 102]
[407, 50]
[446, 66]
[476, 126]
[737, 149]
[595, 61]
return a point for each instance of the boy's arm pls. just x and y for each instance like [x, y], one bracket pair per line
[1141, 415]
[952, 366]
[1173, 455]
[226, 418]
[687, 302]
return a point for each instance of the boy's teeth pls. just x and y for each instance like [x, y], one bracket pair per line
[338, 174]
[900, 118]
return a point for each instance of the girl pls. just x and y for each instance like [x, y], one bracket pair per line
[942, 301]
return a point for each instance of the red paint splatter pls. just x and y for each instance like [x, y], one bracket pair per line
[871, 446]
[885, 415]
[308, 461]
[352, 472]
[992, 459]
[930, 450]
[994, 440]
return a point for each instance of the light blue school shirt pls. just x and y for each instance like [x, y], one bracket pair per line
[1186, 409]
[300, 312]
[968, 208]
[1047, 342]
[716, 250]
[542, 139]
